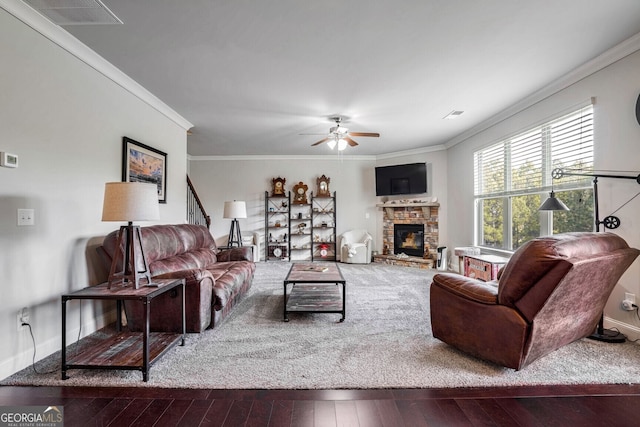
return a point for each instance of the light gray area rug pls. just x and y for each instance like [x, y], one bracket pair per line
[385, 342]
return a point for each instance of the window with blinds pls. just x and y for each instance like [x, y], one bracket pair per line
[513, 176]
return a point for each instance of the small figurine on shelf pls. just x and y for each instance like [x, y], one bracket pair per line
[270, 237]
[301, 227]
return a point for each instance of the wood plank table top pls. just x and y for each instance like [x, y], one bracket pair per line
[324, 272]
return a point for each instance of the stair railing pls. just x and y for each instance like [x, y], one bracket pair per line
[195, 210]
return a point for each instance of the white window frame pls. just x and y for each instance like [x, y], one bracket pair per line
[584, 147]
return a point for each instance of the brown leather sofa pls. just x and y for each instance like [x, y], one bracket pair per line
[215, 280]
[551, 292]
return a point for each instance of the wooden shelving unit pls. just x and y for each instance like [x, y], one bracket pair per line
[300, 231]
[277, 227]
[323, 227]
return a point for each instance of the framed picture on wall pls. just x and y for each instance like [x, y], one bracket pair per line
[141, 163]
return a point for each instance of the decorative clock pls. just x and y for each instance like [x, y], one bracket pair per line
[324, 250]
[278, 186]
[300, 193]
[323, 186]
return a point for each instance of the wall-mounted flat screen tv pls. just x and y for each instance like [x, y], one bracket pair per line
[401, 179]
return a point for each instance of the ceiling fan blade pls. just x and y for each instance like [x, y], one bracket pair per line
[350, 141]
[364, 134]
[319, 142]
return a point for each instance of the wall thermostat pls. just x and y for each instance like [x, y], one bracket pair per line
[8, 160]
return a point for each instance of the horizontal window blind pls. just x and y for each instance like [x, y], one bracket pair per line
[522, 164]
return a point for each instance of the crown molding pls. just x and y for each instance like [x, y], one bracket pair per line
[414, 152]
[321, 157]
[75, 47]
[278, 157]
[611, 56]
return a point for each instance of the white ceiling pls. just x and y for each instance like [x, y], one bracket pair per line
[253, 75]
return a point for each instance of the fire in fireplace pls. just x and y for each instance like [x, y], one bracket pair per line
[408, 239]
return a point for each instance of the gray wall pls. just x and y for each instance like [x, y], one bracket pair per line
[65, 121]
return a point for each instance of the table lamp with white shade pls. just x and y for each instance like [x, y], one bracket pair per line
[130, 201]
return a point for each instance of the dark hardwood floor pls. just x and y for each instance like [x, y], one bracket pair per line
[575, 405]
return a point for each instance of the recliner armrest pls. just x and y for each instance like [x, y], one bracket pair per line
[466, 287]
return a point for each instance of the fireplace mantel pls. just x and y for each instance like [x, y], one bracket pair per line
[407, 204]
[389, 207]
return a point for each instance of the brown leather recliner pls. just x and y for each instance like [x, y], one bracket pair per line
[551, 292]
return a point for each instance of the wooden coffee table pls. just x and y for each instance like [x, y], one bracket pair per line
[315, 289]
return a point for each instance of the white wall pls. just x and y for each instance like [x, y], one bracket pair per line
[617, 148]
[246, 178]
[65, 121]
[352, 178]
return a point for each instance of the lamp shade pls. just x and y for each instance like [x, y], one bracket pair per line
[553, 204]
[235, 209]
[130, 201]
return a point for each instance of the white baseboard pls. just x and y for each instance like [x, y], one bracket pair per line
[632, 332]
[46, 348]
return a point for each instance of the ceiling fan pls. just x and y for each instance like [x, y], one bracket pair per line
[341, 136]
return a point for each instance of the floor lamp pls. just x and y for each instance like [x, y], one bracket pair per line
[610, 222]
[129, 201]
[234, 210]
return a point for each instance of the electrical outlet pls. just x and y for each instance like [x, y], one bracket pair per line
[23, 317]
[630, 297]
[26, 217]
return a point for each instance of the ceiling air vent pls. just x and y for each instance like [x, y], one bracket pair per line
[453, 115]
[75, 12]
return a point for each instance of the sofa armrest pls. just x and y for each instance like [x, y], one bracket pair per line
[468, 288]
[243, 253]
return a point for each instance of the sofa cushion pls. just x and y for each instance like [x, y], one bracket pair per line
[167, 241]
[196, 259]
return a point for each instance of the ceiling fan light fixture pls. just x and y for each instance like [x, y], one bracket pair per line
[342, 144]
[331, 143]
[338, 130]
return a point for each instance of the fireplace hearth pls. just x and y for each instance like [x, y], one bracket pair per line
[408, 239]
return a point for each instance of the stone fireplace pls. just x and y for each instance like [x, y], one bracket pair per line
[421, 217]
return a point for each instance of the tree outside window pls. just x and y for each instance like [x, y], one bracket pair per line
[513, 178]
